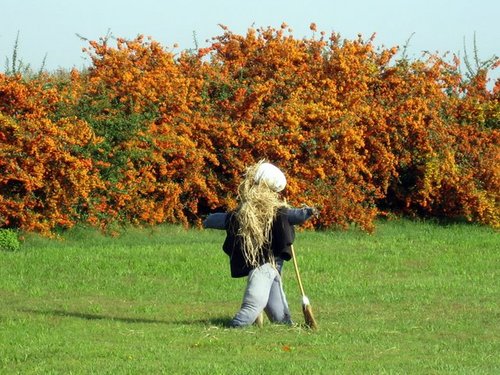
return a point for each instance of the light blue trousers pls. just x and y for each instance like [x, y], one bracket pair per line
[264, 291]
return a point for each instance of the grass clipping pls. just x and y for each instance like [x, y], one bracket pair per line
[258, 206]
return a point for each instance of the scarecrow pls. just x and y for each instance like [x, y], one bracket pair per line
[259, 238]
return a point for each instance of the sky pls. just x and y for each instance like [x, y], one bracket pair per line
[49, 29]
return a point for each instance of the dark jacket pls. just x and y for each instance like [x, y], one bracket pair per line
[282, 236]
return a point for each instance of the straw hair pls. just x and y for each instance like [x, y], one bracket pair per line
[258, 206]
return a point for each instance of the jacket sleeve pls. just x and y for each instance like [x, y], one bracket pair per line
[297, 216]
[216, 221]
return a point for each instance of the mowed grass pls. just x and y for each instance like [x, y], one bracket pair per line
[412, 298]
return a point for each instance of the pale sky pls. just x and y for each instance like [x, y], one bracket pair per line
[49, 27]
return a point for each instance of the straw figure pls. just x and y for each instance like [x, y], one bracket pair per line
[259, 237]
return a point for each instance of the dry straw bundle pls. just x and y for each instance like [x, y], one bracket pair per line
[259, 203]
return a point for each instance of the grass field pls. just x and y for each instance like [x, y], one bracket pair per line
[413, 298]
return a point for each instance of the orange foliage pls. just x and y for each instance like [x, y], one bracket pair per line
[148, 137]
[44, 180]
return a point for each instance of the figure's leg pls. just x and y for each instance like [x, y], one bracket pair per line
[277, 308]
[255, 299]
[260, 318]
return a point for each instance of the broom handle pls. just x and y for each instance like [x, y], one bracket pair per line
[297, 271]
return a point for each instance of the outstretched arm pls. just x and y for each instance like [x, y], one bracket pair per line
[297, 216]
[216, 221]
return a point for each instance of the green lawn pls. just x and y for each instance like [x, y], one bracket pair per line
[413, 298]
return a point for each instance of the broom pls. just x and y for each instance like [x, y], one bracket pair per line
[306, 305]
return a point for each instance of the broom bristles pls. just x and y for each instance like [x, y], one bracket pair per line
[309, 317]
[306, 306]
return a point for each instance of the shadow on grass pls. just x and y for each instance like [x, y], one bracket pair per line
[215, 322]
[89, 316]
[219, 322]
